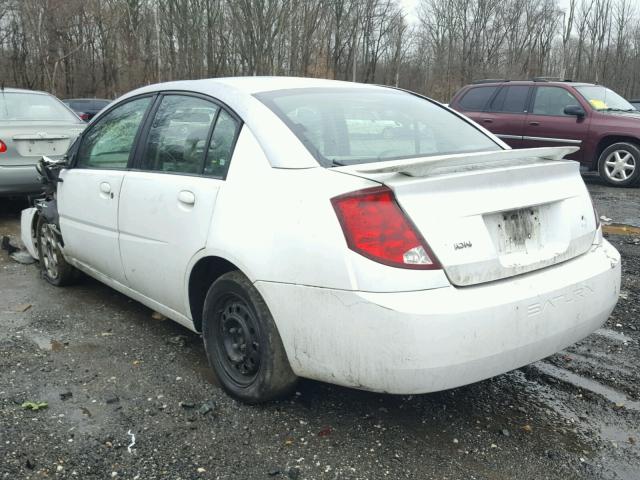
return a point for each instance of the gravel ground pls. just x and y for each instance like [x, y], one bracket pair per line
[109, 371]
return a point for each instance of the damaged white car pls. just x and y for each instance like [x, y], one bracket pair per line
[405, 263]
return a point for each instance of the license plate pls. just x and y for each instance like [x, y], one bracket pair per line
[34, 148]
[517, 230]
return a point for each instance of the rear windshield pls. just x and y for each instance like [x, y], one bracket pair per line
[351, 126]
[33, 107]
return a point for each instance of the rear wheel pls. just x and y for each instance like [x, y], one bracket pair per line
[242, 342]
[619, 164]
[53, 265]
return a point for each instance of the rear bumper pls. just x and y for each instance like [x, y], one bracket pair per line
[424, 341]
[19, 180]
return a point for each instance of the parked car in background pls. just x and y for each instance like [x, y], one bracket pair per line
[86, 108]
[32, 124]
[635, 103]
[529, 114]
[299, 247]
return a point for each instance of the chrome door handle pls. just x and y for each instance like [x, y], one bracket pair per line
[186, 197]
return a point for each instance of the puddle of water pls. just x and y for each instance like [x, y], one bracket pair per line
[613, 335]
[621, 229]
[614, 396]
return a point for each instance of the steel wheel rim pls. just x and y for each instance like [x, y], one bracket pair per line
[49, 251]
[620, 165]
[238, 340]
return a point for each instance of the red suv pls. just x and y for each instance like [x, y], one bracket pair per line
[528, 114]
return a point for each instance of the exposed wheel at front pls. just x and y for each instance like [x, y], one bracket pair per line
[619, 164]
[242, 342]
[53, 265]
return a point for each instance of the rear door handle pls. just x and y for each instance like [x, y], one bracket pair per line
[186, 197]
[487, 120]
[534, 124]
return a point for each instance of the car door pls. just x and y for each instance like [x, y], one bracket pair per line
[506, 114]
[90, 190]
[167, 200]
[547, 125]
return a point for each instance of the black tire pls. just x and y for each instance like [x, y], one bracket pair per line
[53, 265]
[242, 342]
[627, 173]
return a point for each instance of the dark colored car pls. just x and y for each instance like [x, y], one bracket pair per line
[86, 108]
[635, 103]
[527, 114]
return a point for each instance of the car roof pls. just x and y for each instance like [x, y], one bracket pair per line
[496, 83]
[22, 90]
[86, 100]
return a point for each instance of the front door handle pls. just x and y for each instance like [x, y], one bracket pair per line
[487, 120]
[186, 197]
[534, 124]
[105, 187]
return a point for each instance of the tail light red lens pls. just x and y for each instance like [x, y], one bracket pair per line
[3, 147]
[375, 226]
[84, 116]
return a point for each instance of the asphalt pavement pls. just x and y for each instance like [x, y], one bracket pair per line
[129, 395]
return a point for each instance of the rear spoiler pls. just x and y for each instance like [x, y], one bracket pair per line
[423, 167]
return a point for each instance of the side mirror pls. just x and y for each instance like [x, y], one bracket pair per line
[575, 110]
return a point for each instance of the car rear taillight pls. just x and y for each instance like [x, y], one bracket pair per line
[84, 116]
[375, 226]
[3, 147]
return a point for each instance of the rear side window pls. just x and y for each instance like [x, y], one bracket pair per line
[511, 99]
[178, 135]
[109, 142]
[221, 145]
[476, 98]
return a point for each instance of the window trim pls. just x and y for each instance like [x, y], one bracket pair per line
[533, 101]
[142, 144]
[527, 101]
[74, 161]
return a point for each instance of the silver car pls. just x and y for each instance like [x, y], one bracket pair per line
[32, 124]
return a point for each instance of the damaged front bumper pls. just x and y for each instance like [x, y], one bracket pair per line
[27, 230]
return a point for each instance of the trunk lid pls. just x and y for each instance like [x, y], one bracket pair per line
[28, 141]
[492, 215]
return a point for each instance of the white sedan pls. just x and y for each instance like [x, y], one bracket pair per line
[432, 259]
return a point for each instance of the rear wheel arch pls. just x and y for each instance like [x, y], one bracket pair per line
[609, 140]
[205, 271]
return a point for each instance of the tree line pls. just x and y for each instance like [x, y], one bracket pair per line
[105, 48]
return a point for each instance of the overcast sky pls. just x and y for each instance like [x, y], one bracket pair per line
[411, 7]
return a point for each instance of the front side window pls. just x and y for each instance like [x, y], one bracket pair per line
[552, 101]
[476, 98]
[178, 135]
[109, 142]
[604, 99]
[349, 126]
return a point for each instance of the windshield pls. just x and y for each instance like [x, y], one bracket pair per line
[604, 99]
[33, 107]
[350, 126]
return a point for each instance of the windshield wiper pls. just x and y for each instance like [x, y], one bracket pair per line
[610, 109]
[338, 163]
